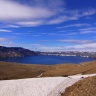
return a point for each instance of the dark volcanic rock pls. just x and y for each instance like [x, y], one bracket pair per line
[15, 52]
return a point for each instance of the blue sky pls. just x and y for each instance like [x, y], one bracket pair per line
[48, 25]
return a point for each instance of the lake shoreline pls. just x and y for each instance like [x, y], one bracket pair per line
[47, 60]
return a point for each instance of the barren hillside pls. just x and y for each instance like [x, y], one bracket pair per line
[85, 87]
[17, 71]
[71, 69]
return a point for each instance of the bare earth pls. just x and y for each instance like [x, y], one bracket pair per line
[85, 87]
[19, 71]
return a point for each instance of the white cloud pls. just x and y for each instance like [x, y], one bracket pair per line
[15, 11]
[71, 41]
[3, 39]
[3, 30]
[76, 47]
[87, 30]
[34, 45]
[78, 41]
[69, 15]
[43, 33]
[9, 26]
[72, 33]
[82, 12]
[18, 34]
[38, 47]
[29, 23]
[36, 35]
[51, 49]
[38, 12]
[83, 47]
[33, 14]
[12, 26]
[47, 48]
[89, 12]
[61, 19]
[75, 25]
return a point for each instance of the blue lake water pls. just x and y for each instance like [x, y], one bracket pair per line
[48, 60]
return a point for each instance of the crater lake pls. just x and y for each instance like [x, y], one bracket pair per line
[48, 60]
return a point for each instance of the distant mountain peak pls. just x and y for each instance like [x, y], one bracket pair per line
[15, 52]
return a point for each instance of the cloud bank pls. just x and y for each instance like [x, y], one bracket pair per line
[38, 12]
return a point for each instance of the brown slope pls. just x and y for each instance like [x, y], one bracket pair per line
[61, 70]
[85, 87]
[72, 69]
[15, 70]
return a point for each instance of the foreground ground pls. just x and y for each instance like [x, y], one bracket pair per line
[85, 87]
[19, 71]
[50, 86]
[59, 79]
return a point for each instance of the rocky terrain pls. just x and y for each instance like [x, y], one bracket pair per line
[21, 52]
[71, 53]
[15, 52]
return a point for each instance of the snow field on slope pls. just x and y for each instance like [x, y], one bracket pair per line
[51, 86]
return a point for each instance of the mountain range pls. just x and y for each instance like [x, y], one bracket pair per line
[15, 52]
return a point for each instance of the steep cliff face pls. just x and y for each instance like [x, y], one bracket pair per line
[15, 52]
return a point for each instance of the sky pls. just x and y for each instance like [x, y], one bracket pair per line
[48, 25]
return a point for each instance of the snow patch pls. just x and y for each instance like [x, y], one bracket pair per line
[51, 86]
